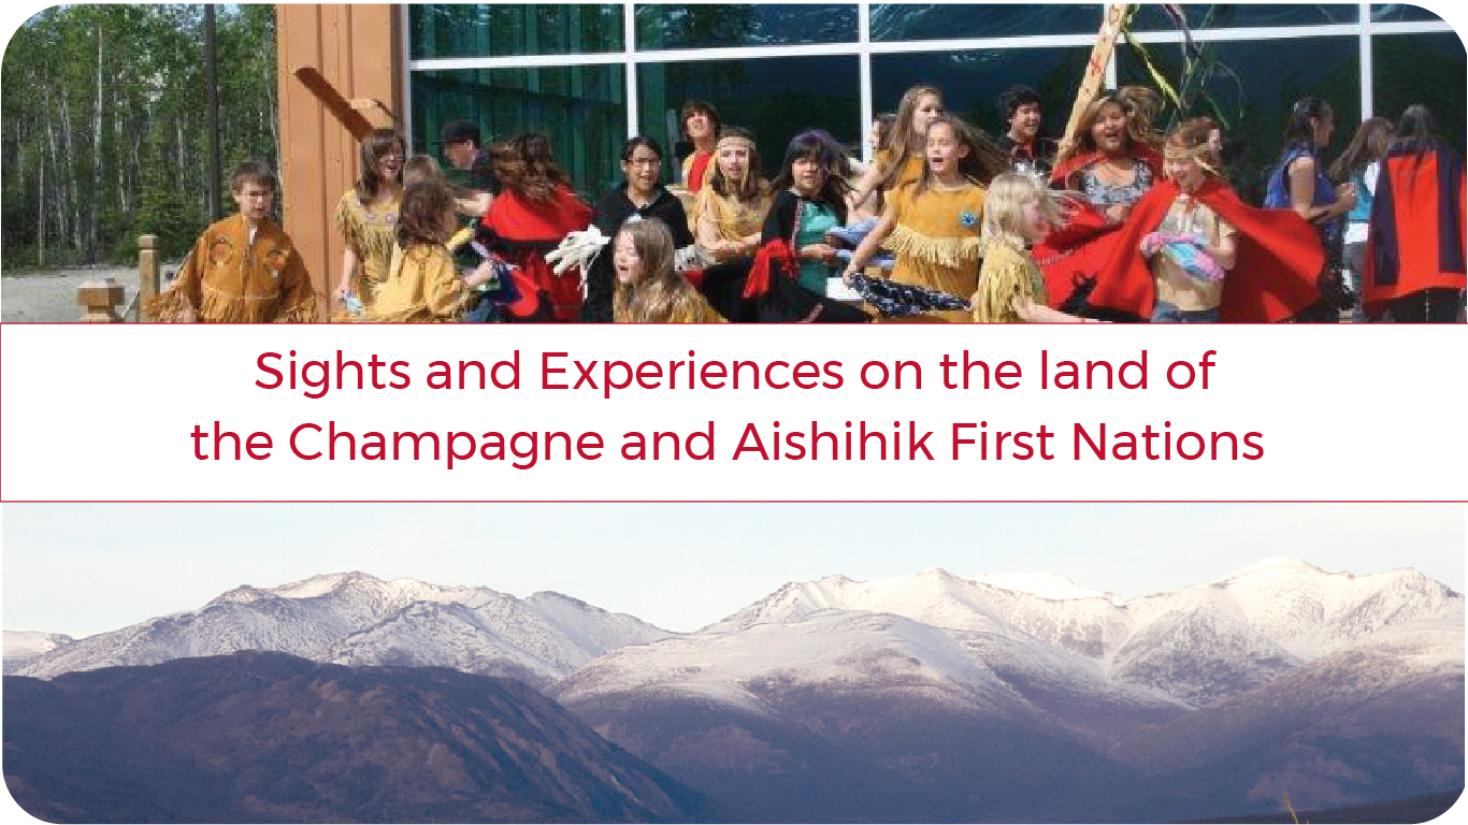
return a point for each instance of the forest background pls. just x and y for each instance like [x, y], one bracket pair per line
[104, 127]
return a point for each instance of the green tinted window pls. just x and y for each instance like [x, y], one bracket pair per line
[775, 97]
[1242, 15]
[932, 21]
[1400, 13]
[1272, 75]
[1421, 68]
[513, 29]
[718, 26]
[973, 80]
[582, 109]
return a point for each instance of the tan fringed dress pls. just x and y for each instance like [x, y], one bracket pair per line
[1009, 276]
[227, 278]
[370, 232]
[912, 167]
[733, 219]
[422, 286]
[936, 239]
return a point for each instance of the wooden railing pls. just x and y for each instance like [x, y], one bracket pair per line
[100, 298]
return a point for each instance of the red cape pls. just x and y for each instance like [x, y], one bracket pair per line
[1274, 276]
[1075, 163]
[516, 218]
[530, 228]
[1417, 239]
[1076, 253]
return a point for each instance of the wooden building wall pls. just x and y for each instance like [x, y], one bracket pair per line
[358, 48]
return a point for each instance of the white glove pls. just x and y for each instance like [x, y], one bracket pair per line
[692, 257]
[578, 249]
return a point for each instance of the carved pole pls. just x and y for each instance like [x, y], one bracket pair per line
[1115, 15]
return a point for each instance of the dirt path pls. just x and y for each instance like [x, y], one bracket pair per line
[51, 295]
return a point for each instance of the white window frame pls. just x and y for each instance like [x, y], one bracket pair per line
[863, 48]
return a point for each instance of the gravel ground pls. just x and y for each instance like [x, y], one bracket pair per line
[51, 295]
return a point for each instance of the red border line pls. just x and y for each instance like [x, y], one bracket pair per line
[742, 501]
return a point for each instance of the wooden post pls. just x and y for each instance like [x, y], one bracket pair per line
[358, 47]
[99, 298]
[147, 274]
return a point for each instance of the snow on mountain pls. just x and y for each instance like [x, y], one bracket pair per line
[832, 649]
[1310, 611]
[610, 631]
[1335, 687]
[1199, 655]
[538, 639]
[23, 645]
[935, 597]
[852, 716]
[846, 653]
[1044, 585]
[1198, 644]
[1340, 689]
[1381, 719]
[354, 618]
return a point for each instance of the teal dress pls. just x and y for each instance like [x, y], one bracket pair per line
[816, 219]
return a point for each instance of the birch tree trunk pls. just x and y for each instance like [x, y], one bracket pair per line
[68, 185]
[41, 209]
[94, 197]
[273, 118]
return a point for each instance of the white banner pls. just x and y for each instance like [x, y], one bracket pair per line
[238, 413]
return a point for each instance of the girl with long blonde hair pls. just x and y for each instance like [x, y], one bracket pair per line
[1019, 212]
[900, 160]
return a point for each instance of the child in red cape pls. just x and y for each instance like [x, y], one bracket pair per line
[1415, 258]
[533, 212]
[1111, 165]
[1278, 255]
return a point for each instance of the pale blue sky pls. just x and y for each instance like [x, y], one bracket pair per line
[82, 569]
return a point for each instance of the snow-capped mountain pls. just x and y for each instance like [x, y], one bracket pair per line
[832, 649]
[878, 656]
[23, 645]
[860, 716]
[1380, 720]
[1199, 644]
[934, 697]
[1350, 687]
[354, 618]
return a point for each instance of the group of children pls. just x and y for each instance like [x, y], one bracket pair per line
[943, 225]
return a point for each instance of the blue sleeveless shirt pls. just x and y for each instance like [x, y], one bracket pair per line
[1277, 196]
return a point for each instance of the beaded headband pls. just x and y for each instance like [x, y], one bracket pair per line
[1196, 154]
[734, 140]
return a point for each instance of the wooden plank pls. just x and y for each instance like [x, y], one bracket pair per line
[340, 108]
[302, 147]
